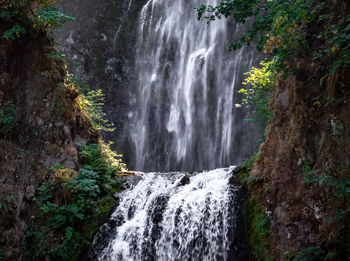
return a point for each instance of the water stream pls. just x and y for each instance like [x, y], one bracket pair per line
[173, 216]
[182, 106]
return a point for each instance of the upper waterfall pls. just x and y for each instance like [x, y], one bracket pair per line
[182, 115]
[170, 81]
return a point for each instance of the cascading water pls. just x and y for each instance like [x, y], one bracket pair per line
[172, 216]
[182, 115]
[174, 91]
[170, 81]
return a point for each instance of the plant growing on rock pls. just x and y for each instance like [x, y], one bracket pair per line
[258, 95]
[284, 30]
[50, 17]
[92, 102]
[75, 214]
[21, 14]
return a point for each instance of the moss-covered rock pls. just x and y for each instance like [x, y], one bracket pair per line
[252, 216]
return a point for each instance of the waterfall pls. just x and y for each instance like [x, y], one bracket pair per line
[171, 85]
[172, 216]
[182, 105]
[170, 81]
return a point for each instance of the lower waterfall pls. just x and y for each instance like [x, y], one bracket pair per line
[172, 216]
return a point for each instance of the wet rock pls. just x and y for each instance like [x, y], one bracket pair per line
[154, 228]
[130, 180]
[283, 98]
[30, 192]
[78, 140]
[68, 161]
[185, 180]
[49, 161]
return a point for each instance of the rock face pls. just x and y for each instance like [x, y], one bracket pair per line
[103, 39]
[48, 123]
[309, 133]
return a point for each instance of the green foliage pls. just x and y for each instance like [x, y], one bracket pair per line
[248, 179]
[50, 17]
[248, 163]
[45, 191]
[7, 118]
[56, 166]
[260, 232]
[256, 218]
[104, 208]
[243, 172]
[71, 241]
[286, 29]
[5, 202]
[14, 32]
[36, 243]
[339, 185]
[102, 160]
[15, 13]
[65, 215]
[85, 189]
[56, 55]
[258, 95]
[61, 216]
[309, 254]
[336, 38]
[79, 81]
[307, 166]
[1, 254]
[93, 103]
[85, 201]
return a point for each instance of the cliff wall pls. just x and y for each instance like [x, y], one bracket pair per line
[41, 125]
[304, 165]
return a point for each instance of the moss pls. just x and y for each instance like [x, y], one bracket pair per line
[104, 209]
[256, 221]
[259, 232]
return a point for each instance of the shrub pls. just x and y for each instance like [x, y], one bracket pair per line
[50, 17]
[14, 11]
[78, 214]
[258, 95]
[102, 160]
[93, 103]
[14, 32]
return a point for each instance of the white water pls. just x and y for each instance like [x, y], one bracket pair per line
[183, 103]
[160, 219]
[181, 117]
